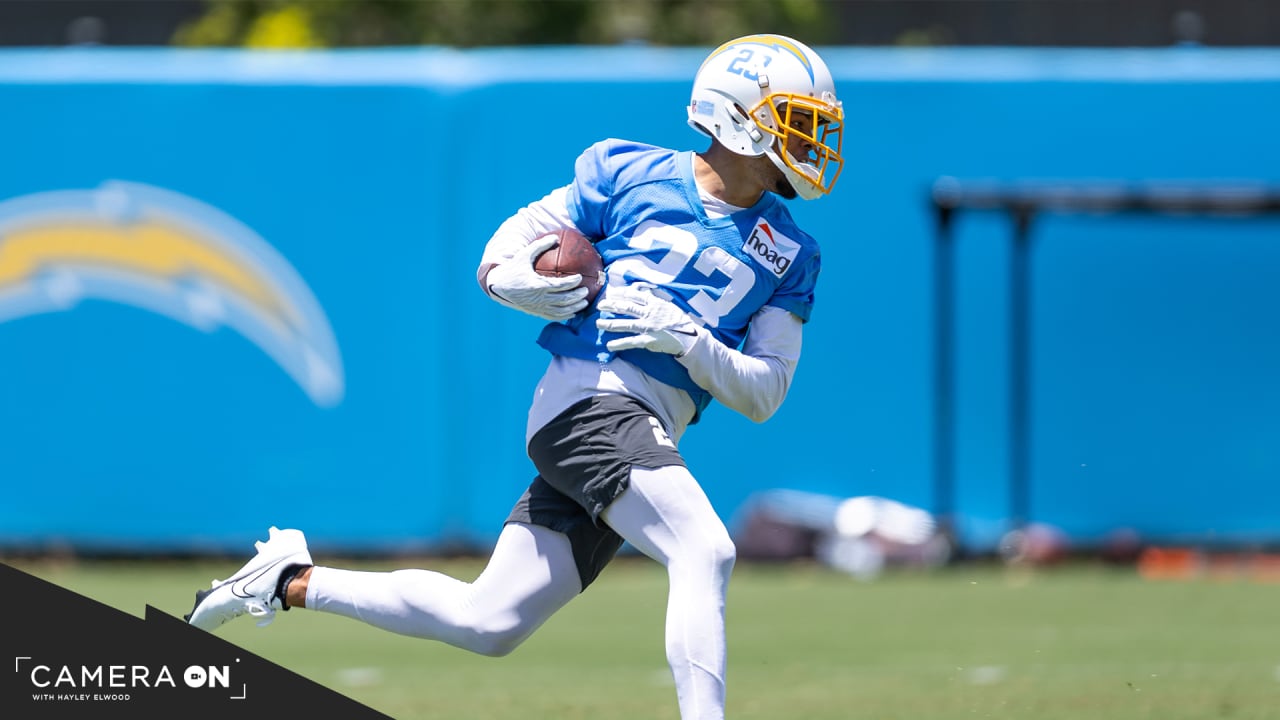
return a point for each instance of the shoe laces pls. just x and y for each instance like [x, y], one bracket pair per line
[264, 612]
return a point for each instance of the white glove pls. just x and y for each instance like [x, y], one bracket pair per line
[516, 284]
[659, 325]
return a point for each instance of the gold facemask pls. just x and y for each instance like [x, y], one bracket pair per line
[809, 127]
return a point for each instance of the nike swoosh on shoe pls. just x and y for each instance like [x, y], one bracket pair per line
[238, 584]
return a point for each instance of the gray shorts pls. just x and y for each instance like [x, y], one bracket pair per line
[584, 458]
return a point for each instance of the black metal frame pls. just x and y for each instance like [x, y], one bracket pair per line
[1023, 202]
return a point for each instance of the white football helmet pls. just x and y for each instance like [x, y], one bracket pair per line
[762, 94]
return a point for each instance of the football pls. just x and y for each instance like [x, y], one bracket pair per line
[574, 255]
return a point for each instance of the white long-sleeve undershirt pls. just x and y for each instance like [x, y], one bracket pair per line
[755, 380]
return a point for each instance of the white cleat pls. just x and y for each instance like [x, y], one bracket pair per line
[252, 589]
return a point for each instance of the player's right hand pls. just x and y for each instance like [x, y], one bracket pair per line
[516, 284]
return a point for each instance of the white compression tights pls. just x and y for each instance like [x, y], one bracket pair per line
[531, 575]
[666, 516]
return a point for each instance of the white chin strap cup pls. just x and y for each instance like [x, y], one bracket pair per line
[804, 183]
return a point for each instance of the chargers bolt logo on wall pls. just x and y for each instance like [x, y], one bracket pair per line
[170, 254]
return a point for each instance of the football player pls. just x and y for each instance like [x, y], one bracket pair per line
[709, 284]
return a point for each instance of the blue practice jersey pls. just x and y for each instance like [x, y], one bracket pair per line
[640, 206]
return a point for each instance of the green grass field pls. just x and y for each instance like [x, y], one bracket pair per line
[805, 644]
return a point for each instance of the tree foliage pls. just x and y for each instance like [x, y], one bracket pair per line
[472, 23]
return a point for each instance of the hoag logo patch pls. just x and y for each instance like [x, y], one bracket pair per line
[771, 248]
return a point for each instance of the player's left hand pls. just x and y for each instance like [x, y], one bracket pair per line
[657, 324]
